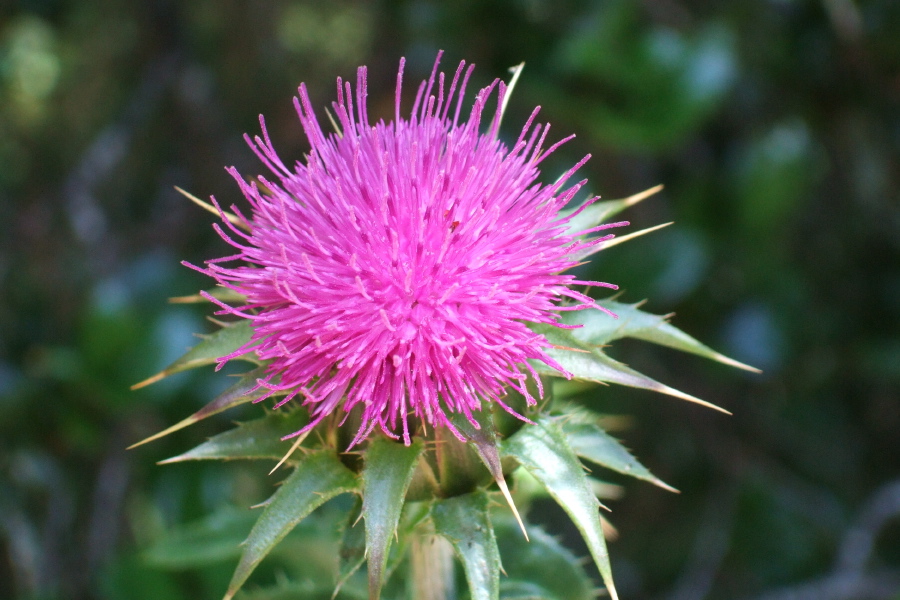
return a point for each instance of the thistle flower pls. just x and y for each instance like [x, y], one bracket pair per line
[398, 266]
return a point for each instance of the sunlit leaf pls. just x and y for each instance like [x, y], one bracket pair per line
[591, 442]
[387, 473]
[465, 523]
[622, 238]
[601, 212]
[543, 451]
[245, 390]
[318, 478]
[589, 363]
[214, 346]
[598, 328]
[257, 439]
[226, 295]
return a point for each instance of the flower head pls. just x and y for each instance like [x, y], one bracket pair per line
[397, 266]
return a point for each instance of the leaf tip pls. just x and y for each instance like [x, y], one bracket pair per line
[150, 380]
[632, 200]
[736, 363]
[180, 425]
[504, 489]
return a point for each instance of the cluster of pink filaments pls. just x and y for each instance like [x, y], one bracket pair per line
[397, 268]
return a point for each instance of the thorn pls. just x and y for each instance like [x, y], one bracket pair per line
[516, 71]
[294, 447]
[624, 238]
[632, 200]
[233, 219]
[501, 483]
[145, 383]
[582, 350]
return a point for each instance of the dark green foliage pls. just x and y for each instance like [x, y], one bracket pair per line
[772, 125]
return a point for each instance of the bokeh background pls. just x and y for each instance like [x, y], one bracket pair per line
[774, 124]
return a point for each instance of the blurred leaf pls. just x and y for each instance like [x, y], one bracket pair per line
[256, 439]
[320, 477]
[542, 568]
[128, 577]
[591, 442]
[543, 451]
[465, 522]
[214, 346]
[638, 87]
[216, 538]
[246, 389]
[386, 476]
[591, 364]
[598, 328]
[305, 590]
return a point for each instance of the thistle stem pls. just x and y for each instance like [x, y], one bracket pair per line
[432, 568]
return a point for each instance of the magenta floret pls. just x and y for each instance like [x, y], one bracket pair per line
[396, 268]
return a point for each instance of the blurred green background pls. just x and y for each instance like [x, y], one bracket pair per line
[775, 126]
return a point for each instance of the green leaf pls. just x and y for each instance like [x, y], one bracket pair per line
[387, 473]
[226, 295]
[464, 522]
[245, 390]
[257, 439]
[588, 363]
[214, 539]
[591, 442]
[460, 468]
[320, 477]
[600, 212]
[542, 568]
[213, 346]
[352, 553]
[484, 439]
[543, 451]
[599, 328]
[293, 590]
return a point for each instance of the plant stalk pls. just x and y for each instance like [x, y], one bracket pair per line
[431, 562]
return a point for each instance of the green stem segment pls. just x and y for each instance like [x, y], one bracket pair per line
[431, 565]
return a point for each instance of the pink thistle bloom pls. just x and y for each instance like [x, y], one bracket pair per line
[397, 267]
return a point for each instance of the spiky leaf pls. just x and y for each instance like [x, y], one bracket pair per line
[543, 568]
[601, 212]
[212, 347]
[352, 553]
[245, 390]
[317, 479]
[257, 439]
[224, 294]
[542, 449]
[591, 442]
[464, 522]
[387, 473]
[597, 328]
[484, 440]
[591, 364]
